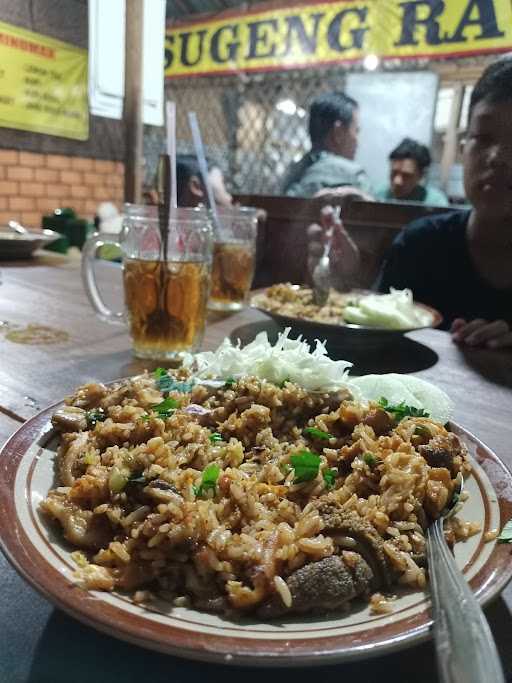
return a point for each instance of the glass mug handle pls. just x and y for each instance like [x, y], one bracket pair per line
[89, 251]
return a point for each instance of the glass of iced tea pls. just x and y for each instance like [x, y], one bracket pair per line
[166, 285]
[234, 252]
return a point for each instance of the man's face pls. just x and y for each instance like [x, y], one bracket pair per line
[346, 137]
[404, 177]
[352, 135]
[488, 160]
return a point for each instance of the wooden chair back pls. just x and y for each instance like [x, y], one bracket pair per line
[283, 242]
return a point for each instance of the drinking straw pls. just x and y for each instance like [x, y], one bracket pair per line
[203, 167]
[170, 117]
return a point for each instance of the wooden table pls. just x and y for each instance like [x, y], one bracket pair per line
[40, 643]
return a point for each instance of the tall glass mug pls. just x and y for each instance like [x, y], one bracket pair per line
[234, 252]
[165, 294]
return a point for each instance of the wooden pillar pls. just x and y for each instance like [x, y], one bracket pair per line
[451, 139]
[133, 93]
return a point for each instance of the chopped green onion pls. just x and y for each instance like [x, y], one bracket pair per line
[229, 382]
[317, 433]
[401, 410]
[215, 437]
[117, 480]
[281, 384]
[306, 466]
[370, 459]
[137, 479]
[421, 430]
[329, 477]
[96, 415]
[208, 480]
[90, 458]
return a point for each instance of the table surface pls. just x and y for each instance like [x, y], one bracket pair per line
[40, 643]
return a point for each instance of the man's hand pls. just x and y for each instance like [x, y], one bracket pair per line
[492, 335]
[344, 259]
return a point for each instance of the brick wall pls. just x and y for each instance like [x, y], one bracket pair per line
[35, 184]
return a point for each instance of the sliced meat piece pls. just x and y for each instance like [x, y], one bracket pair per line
[321, 586]
[81, 527]
[444, 451]
[70, 419]
[88, 395]
[379, 420]
[369, 544]
[72, 447]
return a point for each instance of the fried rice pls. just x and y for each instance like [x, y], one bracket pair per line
[248, 497]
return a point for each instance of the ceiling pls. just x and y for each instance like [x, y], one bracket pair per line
[179, 9]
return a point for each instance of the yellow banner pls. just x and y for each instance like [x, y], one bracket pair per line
[321, 33]
[43, 84]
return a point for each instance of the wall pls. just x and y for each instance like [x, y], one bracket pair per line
[34, 184]
[39, 173]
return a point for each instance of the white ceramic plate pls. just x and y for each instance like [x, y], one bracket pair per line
[39, 554]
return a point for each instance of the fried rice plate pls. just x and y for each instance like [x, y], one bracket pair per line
[248, 497]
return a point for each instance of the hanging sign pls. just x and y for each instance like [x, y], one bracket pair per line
[43, 84]
[298, 36]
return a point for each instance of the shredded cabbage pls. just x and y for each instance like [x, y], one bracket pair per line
[394, 311]
[289, 359]
[293, 360]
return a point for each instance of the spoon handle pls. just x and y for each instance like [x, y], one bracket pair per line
[465, 648]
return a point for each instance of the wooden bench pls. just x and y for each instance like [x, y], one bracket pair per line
[283, 243]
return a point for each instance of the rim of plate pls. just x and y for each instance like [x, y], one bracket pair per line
[120, 617]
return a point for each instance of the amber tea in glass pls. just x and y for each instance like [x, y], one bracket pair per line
[165, 303]
[166, 287]
[233, 258]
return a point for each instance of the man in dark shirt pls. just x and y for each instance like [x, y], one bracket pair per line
[461, 262]
[432, 257]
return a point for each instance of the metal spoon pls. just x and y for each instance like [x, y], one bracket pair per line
[321, 274]
[17, 227]
[465, 648]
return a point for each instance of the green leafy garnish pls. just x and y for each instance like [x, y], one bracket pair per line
[281, 384]
[96, 415]
[329, 477]
[208, 480]
[166, 408]
[229, 382]
[165, 383]
[370, 459]
[317, 433]
[506, 533]
[215, 437]
[402, 409]
[306, 466]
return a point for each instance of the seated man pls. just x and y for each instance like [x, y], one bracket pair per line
[408, 164]
[189, 185]
[459, 262]
[333, 129]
